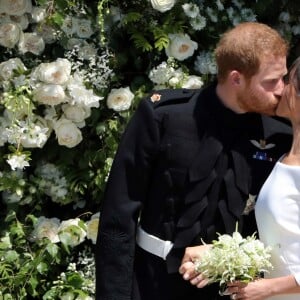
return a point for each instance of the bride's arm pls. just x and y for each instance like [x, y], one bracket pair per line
[263, 288]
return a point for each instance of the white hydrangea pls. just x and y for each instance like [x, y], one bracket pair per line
[205, 63]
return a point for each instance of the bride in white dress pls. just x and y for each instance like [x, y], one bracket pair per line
[277, 211]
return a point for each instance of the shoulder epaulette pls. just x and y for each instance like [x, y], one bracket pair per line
[162, 97]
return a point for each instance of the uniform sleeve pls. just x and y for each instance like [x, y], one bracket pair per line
[125, 192]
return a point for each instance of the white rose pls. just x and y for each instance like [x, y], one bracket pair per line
[46, 228]
[92, 227]
[71, 232]
[10, 34]
[193, 82]
[162, 5]
[67, 133]
[87, 51]
[50, 94]
[22, 21]
[68, 26]
[120, 99]
[57, 72]
[181, 46]
[16, 7]
[31, 42]
[74, 113]
[83, 28]
[8, 67]
[48, 33]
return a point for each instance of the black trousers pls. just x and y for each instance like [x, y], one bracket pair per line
[152, 282]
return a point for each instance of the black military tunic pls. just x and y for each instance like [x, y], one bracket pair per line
[185, 168]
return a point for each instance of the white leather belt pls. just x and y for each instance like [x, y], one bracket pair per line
[153, 244]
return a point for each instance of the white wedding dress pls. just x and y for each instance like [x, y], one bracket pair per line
[277, 214]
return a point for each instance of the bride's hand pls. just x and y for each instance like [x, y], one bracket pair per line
[187, 268]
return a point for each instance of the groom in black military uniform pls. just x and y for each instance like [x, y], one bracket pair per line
[186, 168]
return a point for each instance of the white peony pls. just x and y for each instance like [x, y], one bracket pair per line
[162, 5]
[50, 94]
[9, 34]
[8, 67]
[72, 232]
[92, 227]
[57, 72]
[46, 228]
[16, 7]
[31, 42]
[120, 99]
[181, 46]
[67, 133]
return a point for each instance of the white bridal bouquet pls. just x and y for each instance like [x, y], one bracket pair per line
[234, 258]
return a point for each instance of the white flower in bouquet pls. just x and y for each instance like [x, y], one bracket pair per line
[10, 34]
[92, 227]
[49, 94]
[181, 46]
[234, 258]
[120, 99]
[67, 133]
[46, 228]
[17, 161]
[8, 67]
[15, 7]
[56, 72]
[67, 296]
[72, 232]
[162, 5]
[31, 42]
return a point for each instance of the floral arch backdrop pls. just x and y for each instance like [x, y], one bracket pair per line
[71, 74]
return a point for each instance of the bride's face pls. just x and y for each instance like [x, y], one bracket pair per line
[289, 106]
